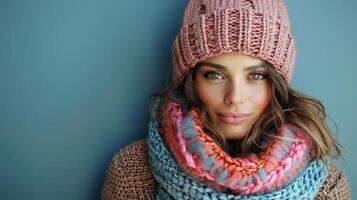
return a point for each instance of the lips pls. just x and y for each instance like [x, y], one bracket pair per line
[233, 118]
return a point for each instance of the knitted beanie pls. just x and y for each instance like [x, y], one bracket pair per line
[258, 28]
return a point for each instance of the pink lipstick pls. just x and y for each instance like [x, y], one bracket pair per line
[233, 118]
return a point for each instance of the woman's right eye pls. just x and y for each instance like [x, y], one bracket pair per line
[213, 76]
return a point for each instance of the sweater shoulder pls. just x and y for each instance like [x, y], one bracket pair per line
[129, 175]
[137, 149]
[336, 185]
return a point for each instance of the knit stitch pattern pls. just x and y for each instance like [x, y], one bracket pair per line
[129, 177]
[258, 28]
[198, 154]
[176, 184]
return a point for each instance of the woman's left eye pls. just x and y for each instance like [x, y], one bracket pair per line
[257, 76]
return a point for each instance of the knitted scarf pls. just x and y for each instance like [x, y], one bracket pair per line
[188, 164]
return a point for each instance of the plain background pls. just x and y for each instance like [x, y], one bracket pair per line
[76, 76]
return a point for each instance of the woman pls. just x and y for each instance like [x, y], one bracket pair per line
[229, 126]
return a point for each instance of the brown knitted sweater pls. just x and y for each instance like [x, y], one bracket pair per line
[129, 177]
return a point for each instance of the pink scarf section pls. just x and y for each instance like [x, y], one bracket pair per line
[199, 155]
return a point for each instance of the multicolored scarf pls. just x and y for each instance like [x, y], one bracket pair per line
[188, 163]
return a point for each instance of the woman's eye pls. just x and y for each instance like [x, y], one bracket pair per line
[213, 75]
[257, 76]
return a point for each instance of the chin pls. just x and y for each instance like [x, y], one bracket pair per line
[234, 134]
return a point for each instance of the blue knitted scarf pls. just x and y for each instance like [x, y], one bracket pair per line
[175, 183]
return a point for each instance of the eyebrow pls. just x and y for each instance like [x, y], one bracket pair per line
[221, 67]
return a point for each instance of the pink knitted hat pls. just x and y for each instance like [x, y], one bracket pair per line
[258, 28]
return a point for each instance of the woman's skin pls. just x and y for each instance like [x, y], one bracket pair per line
[236, 84]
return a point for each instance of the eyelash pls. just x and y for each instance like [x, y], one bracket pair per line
[207, 74]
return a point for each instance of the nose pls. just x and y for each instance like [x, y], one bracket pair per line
[234, 93]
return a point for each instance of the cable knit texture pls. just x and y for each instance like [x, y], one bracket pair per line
[258, 28]
[199, 155]
[129, 177]
[177, 184]
[160, 165]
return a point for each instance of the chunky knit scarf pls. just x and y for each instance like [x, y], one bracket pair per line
[188, 164]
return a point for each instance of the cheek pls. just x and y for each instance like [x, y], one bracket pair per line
[205, 94]
[260, 97]
[209, 95]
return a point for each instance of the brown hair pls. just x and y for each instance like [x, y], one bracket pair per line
[286, 106]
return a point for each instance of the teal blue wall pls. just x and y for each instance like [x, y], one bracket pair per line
[75, 80]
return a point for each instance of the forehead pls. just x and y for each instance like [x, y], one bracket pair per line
[233, 62]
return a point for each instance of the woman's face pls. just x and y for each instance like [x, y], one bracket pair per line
[235, 88]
